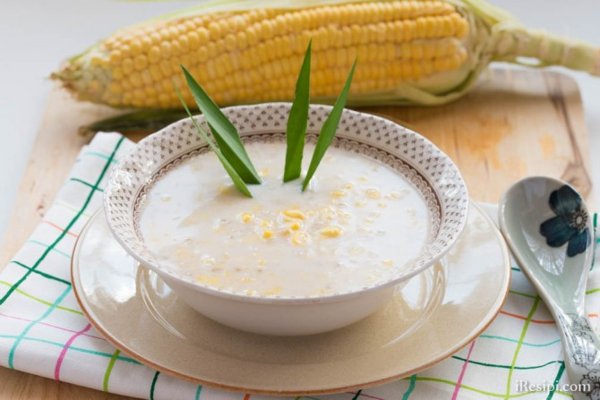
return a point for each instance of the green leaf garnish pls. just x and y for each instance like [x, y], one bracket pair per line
[225, 134]
[328, 129]
[232, 172]
[297, 121]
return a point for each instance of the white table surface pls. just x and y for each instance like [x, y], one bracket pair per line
[36, 35]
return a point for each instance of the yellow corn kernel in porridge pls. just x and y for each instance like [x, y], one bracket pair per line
[296, 214]
[208, 280]
[264, 172]
[274, 291]
[247, 217]
[300, 238]
[373, 193]
[330, 232]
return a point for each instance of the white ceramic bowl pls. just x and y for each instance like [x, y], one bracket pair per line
[433, 174]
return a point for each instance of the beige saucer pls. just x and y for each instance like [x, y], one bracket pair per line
[438, 312]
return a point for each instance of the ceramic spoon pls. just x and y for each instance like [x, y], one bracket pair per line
[549, 231]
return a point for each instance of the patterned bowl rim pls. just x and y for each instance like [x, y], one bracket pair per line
[452, 201]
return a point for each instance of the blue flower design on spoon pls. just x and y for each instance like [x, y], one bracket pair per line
[569, 225]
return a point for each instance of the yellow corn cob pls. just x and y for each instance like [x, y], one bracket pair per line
[426, 51]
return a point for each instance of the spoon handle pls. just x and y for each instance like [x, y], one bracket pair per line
[582, 354]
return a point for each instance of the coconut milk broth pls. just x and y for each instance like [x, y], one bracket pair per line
[356, 225]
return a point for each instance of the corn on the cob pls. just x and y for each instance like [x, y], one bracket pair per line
[409, 51]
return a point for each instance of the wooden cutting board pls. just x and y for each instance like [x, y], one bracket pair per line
[515, 123]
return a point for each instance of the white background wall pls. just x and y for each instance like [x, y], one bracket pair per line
[35, 36]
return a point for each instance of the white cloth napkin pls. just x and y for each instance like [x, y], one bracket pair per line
[43, 332]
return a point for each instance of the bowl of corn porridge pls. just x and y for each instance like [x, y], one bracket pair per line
[384, 205]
